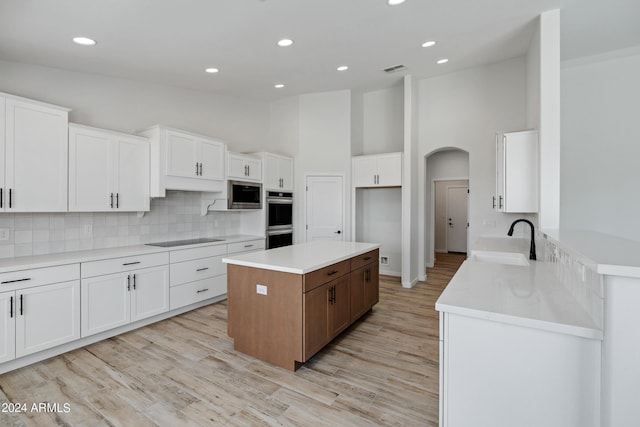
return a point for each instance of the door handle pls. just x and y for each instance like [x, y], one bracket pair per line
[111, 202]
[200, 169]
[337, 232]
[9, 198]
[11, 307]
[196, 168]
[117, 200]
[134, 282]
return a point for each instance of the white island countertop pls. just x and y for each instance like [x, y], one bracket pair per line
[302, 258]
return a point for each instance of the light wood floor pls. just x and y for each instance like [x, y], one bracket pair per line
[183, 371]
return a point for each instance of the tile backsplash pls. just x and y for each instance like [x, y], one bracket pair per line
[174, 217]
[578, 278]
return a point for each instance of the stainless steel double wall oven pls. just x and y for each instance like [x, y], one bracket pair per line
[279, 219]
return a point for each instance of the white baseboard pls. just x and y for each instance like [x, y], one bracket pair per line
[410, 284]
[390, 273]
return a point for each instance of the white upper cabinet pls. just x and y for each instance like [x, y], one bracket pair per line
[517, 172]
[244, 167]
[108, 171]
[184, 161]
[377, 170]
[278, 172]
[33, 159]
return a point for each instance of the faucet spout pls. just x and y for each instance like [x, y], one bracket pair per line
[532, 246]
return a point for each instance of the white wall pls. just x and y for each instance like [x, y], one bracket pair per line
[284, 132]
[324, 148]
[383, 120]
[464, 110]
[533, 79]
[379, 220]
[600, 150]
[130, 106]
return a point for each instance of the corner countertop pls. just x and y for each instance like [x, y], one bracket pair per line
[62, 258]
[529, 296]
[606, 254]
[302, 258]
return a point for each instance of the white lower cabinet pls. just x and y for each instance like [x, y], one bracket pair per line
[124, 296]
[38, 318]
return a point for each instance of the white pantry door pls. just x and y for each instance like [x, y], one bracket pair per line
[325, 208]
[457, 219]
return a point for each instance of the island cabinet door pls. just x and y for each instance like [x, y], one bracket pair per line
[316, 324]
[339, 307]
[356, 290]
[371, 285]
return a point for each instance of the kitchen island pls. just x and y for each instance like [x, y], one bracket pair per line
[286, 304]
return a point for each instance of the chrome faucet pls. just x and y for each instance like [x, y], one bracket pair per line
[532, 247]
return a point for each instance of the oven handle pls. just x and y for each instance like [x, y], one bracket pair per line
[280, 201]
[279, 232]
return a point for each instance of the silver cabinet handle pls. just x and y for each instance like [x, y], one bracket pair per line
[196, 168]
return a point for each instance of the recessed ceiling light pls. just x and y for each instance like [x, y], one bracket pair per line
[279, 86]
[428, 44]
[211, 70]
[285, 42]
[395, 2]
[343, 68]
[443, 61]
[84, 41]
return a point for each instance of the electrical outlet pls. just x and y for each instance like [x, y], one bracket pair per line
[88, 230]
[384, 260]
[261, 289]
[4, 234]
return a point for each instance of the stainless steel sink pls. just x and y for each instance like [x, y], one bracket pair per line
[185, 242]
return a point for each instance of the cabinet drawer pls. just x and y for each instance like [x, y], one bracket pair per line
[195, 253]
[251, 245]
[364, 259]
[200, 290]
[316, 278]
[39, 276]
[117, 265]
[188, 271]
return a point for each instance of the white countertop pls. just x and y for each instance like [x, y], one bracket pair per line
[302, 258]
[518, 295]
[606, 254]
[49, 260]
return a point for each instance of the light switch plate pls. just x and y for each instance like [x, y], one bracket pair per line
[261, 289]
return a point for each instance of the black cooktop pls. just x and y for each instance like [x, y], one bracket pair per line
[185, 242]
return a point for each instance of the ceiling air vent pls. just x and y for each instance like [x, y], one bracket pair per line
[395, 68]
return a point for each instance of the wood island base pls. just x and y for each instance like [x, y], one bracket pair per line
[286, 318]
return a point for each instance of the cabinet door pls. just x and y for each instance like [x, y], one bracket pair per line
[499, 202]
[47, 316]
[339, 314]
[372, 285]
[254, 167]
[316, 325]
[389, 170]
[364, 172]
[105, 303]
[272, 175]
[521, 172]
[131, 169]
[3, 109]
[182, 155]
[7, 326]
[237, 167]
[285, 167]
[211, 160]
[90, 170]
[150, 292]
[36, 157]
[356, 290]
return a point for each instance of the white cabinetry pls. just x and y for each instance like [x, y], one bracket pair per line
[108, 171]
[197, 274]
[517, 172]
[377, 170]
[123, 290]
[184, 161]
[244, 167]
[278, 172]
[41, 311]
[33, 156]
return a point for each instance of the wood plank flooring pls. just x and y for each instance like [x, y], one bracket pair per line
[183, 371]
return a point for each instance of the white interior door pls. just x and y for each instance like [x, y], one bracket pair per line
[457, 219]
[325, 208]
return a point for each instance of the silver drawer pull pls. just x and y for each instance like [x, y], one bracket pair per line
[202, 290]
[14, 281]
[202, 269]
[131, 263]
